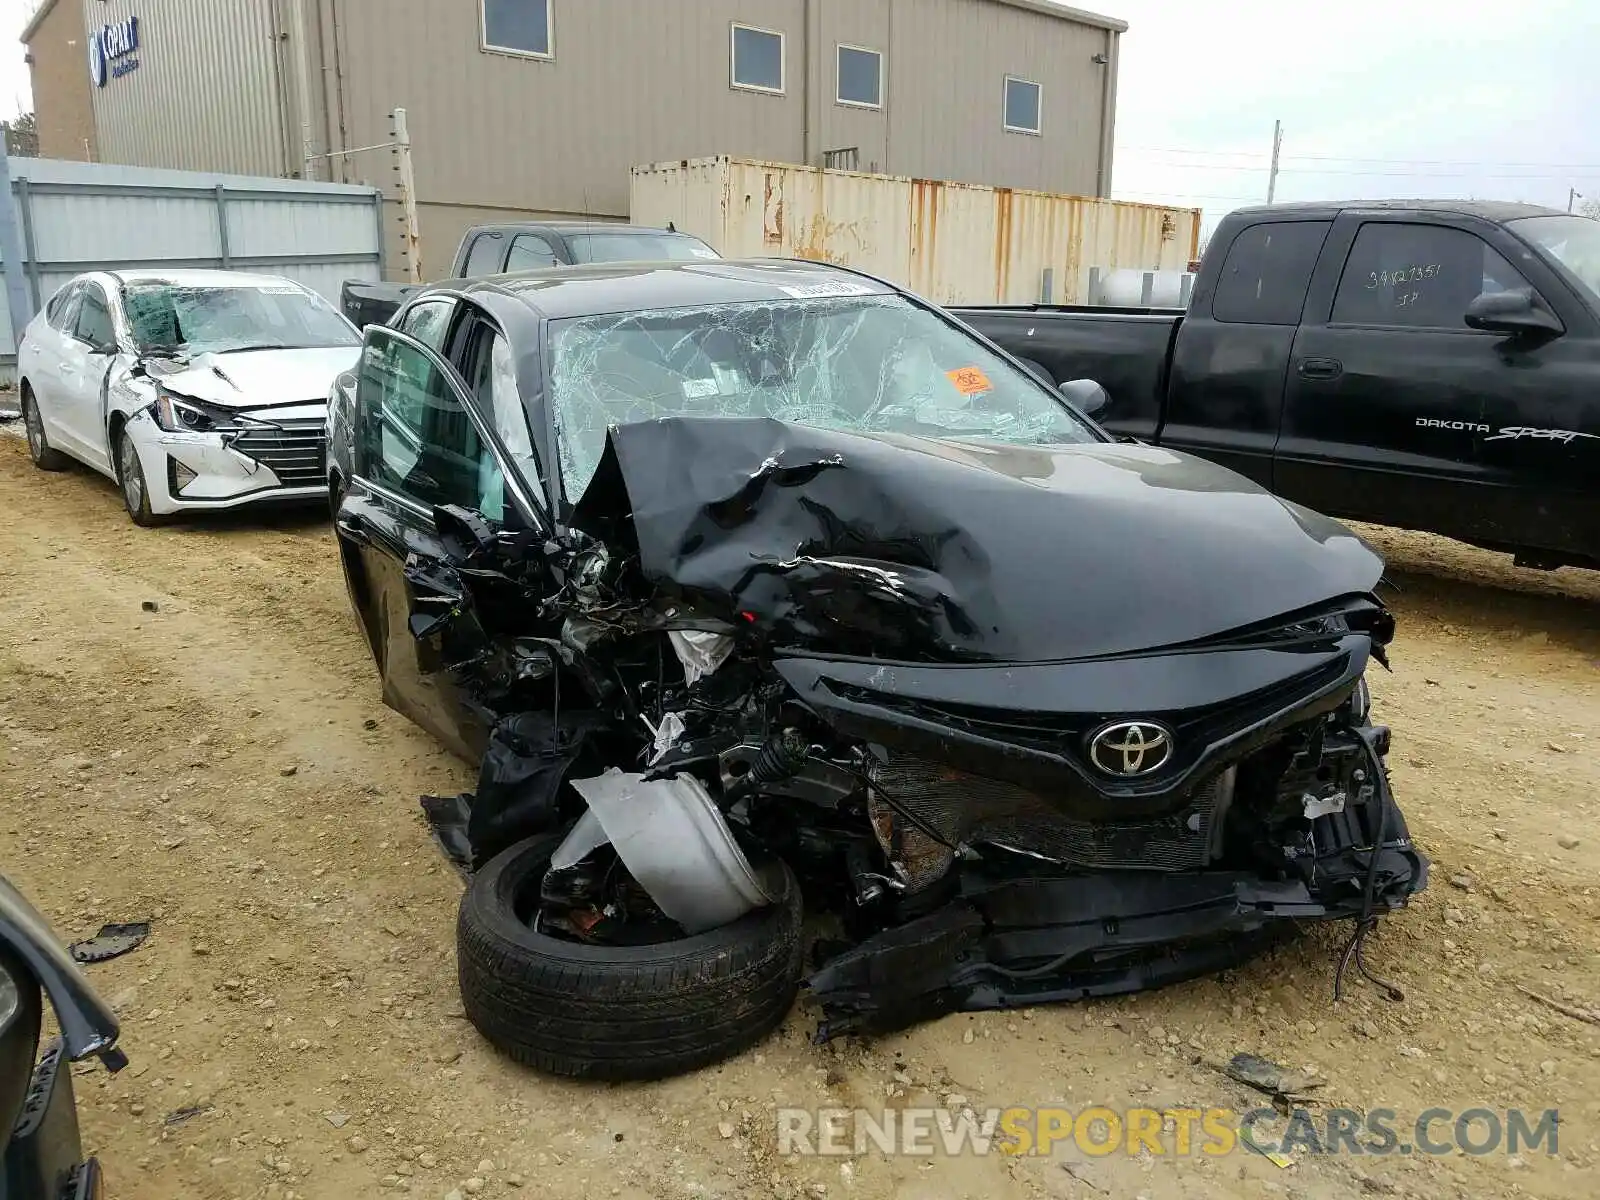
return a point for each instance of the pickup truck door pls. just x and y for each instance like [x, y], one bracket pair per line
[1396, 411]
[1231, 356]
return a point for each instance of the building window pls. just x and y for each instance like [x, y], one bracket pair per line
[757, 59]
[1022, 105]
[860, 77]
[518, 27]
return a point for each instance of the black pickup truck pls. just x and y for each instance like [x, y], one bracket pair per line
[525, 246]
[1426, 364]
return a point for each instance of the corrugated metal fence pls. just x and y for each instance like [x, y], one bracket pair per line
[74, 217]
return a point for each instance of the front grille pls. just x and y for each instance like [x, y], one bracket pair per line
[964, 808]
[295, 451]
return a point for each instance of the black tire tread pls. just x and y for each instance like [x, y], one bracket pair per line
[48, 458]
[615, 1013]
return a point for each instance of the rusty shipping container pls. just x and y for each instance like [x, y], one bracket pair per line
[955, 243]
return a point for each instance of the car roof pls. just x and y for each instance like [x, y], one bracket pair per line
[597, 227]
[202, 278]
[1498, 211]
[590, 289]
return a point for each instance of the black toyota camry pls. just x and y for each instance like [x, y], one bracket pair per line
[762, 590]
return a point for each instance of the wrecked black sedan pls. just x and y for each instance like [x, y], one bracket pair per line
[762, 590]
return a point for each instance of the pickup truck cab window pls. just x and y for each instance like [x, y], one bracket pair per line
[529, 252]
[415, 437]
[1264, 277]
[485, 256]
[1418, 276]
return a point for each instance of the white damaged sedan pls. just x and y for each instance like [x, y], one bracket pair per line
[193, 390]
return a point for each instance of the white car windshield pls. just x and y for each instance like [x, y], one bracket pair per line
[861, 364]
[177, 319]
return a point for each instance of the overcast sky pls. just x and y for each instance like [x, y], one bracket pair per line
[1377, 98]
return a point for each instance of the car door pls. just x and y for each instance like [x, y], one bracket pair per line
[49, 340]
[1396, 409]
[1226, 386]
[419, 445]
[86, 361]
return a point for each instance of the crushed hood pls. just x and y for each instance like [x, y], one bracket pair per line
[251, 378]
[923, 549]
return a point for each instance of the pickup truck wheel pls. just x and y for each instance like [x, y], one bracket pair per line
[618, 1012]
[39, 449]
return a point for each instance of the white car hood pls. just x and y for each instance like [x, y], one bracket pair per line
[252, 378]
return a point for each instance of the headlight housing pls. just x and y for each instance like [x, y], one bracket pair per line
[185, 415]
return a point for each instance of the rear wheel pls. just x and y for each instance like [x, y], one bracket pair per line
[130, 474]
[39, 449]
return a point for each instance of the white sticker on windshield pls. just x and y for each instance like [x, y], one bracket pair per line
[700, 389]
[841, 287]
[703, 252]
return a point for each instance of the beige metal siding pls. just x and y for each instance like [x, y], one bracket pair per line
[207, 95]
[947, 97]
[951, 242]
[630, 82]
[58, 61]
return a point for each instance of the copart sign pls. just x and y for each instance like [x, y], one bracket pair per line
[112, 48]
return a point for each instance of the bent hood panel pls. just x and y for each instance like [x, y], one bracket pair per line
[251, 378]
[931, 550]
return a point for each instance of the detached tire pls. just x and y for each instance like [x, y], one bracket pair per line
[618, 1012]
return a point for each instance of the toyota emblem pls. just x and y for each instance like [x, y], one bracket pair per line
[1131, 748]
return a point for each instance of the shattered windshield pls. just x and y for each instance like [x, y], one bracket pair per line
[1572, 242]
[200, 320]
[858, 364]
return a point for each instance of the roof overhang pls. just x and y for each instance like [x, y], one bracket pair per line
[38, 18]
[1066, 13]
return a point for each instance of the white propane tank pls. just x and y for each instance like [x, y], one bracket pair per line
[1124, 287]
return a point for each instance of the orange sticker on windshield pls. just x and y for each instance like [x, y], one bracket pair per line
[970, 381]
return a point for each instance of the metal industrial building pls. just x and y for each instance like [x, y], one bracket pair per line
[541, 107]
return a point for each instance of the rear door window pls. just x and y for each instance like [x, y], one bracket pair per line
[485, 256]
[1268, 269]
[428, 322]
[1418, 276]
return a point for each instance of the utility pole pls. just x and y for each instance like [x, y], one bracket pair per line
[411, 233]
[1573, 194]
[1277, 144]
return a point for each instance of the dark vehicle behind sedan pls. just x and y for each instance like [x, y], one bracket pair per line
[41, 1154]
[525, 246]
[764, 588]
[1428, 364]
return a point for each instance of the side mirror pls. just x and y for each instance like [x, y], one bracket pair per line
[1087, 396]
[1515, 313]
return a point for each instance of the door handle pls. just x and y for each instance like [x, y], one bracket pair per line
[1320, 368]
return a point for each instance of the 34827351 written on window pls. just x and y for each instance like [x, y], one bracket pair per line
[756, 59]
[1023, 103]
[518, 27]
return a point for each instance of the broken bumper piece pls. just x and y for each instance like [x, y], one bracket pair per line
[1042, 940]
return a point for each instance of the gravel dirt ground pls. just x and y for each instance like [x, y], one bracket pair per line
[190, 733]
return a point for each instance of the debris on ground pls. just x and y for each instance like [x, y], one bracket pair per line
[113, 941]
